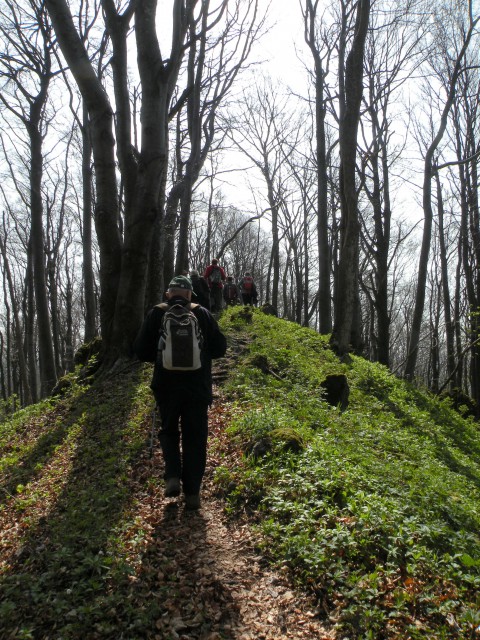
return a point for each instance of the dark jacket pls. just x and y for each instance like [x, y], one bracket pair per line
[201, 290]
[195, 386]
[230, 292]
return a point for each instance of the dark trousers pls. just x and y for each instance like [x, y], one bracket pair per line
[216, 298]
[185, 422]
[247, 298]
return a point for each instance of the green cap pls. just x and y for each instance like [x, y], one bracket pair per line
[180, 282]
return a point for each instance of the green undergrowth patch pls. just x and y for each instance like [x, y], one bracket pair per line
[67, 499]
[376, 509]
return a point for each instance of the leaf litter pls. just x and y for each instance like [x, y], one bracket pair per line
[219, 587]
[183, 575]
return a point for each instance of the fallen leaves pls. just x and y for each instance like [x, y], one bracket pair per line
[158, 572]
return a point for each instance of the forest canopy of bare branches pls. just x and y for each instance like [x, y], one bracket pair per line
[129, 129]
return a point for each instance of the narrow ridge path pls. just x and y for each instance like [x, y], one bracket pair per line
[214, 584]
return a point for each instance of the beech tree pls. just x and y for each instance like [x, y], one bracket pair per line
[393, 52]
[125, 228]
[124, 258]
[466, 140]
[27, 70]
[321, 50]
[346, 332]
[453, 65]
[213, 65]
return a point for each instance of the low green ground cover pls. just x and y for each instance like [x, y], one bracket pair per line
[66, 502]
[374, 509]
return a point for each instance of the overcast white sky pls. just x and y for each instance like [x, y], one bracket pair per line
[277, 49]
[278, 45]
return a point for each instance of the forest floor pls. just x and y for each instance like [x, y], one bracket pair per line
[202, 572]
[91, 548]
[220, 571]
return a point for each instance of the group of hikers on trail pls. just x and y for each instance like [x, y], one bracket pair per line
[215, 289]
[182, 338]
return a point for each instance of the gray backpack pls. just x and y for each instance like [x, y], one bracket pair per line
[216, 275]
[180, 344]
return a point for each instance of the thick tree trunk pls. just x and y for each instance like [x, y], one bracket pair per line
[324, 253]
[88, 277]
[158, 80]
[103, 142]
[48, 373]
[346, 334]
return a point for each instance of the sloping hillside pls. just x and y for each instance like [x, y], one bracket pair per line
[375, 509]
[371, 512]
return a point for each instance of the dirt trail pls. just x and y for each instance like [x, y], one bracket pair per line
[219, 586]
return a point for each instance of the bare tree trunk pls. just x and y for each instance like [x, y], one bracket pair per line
[182, 262]
[156, 281]
[378, 158]
[275, 275]
[88, 277]
[29, 326]
[48, 373]
[471, 255]
[169, 229]
[8, 350]
[52, 289]
[69, 348]
[458, 381]
[101, 127]
[414, 337]
[3, 377]
[447, 303]
[324, 264]
[346, 334]
[433, 382]
[22, 362]
[306, 270]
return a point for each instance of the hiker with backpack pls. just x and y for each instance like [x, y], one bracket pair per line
[230, 292]
[182, 338]
[248, 290]
[200, 289]
[215, 276]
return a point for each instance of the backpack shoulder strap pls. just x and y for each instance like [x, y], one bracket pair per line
[163, 306]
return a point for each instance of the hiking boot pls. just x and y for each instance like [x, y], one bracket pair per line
[172, 488]
[192, 501]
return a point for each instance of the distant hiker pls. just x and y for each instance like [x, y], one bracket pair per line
[230, 292]
[248, 290]
[182, 348]
[215, 276]
[200, 289]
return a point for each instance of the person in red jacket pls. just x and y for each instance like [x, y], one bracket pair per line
[248, 290]
[215, 276]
